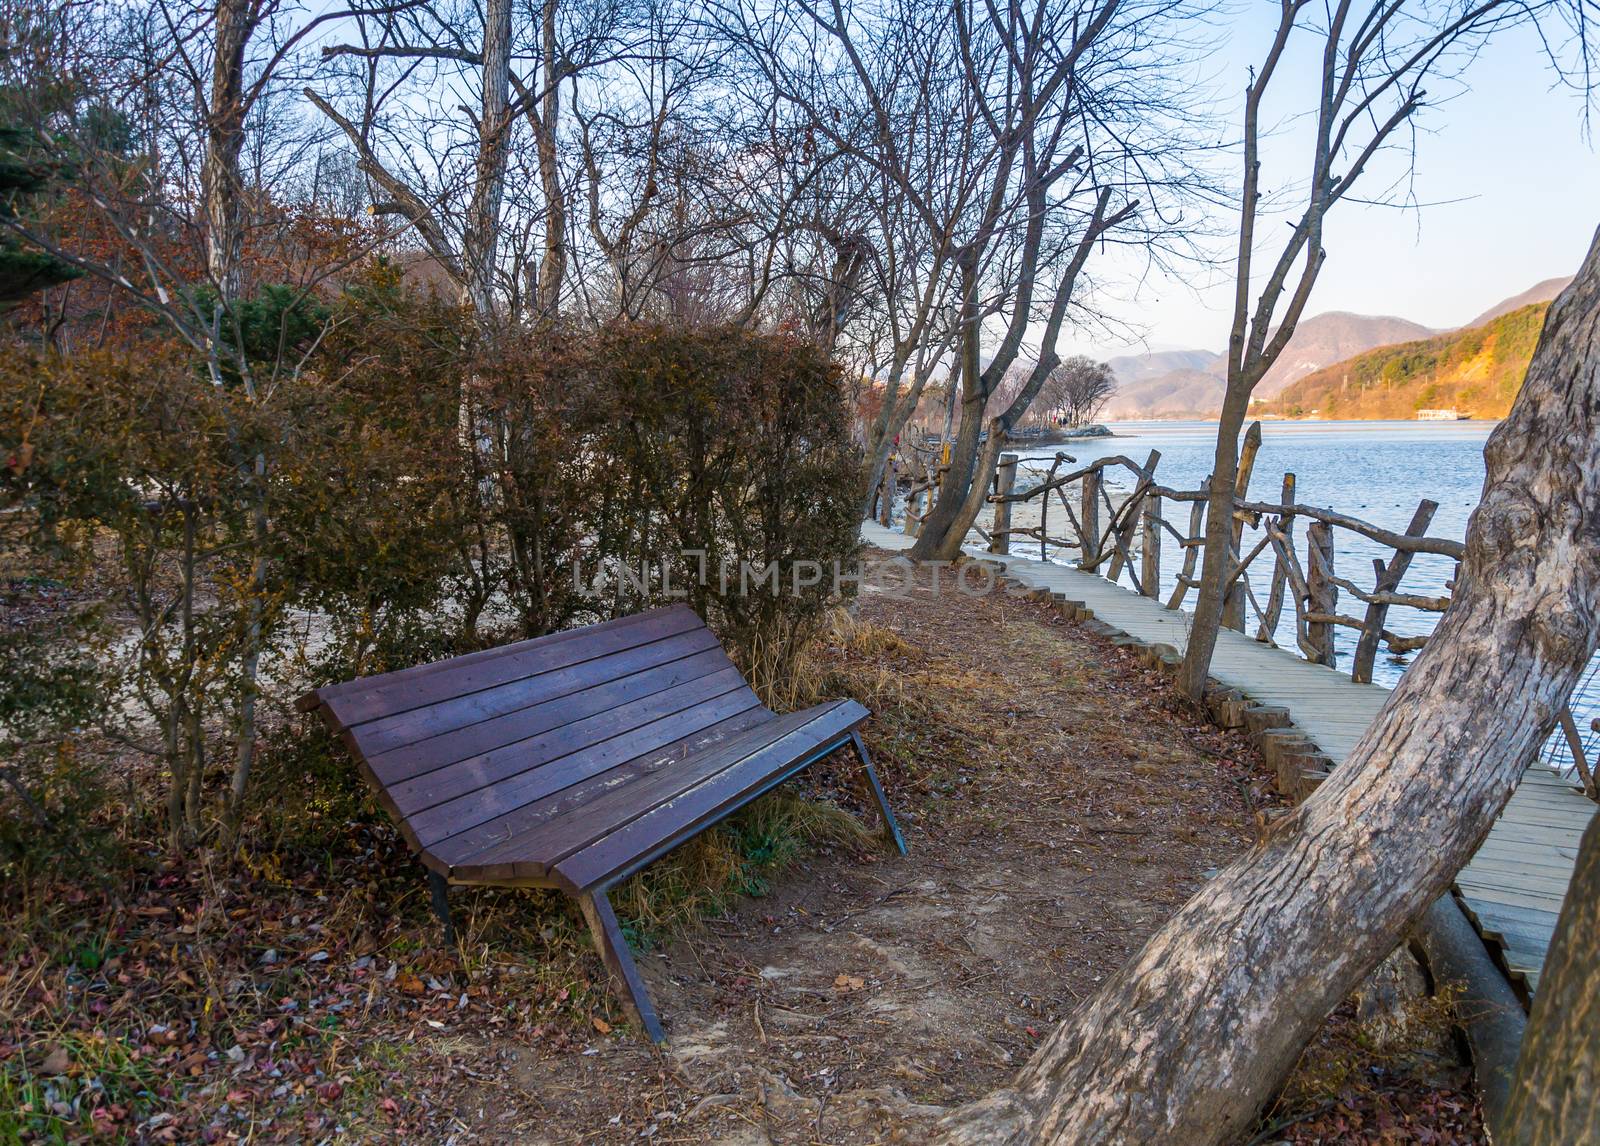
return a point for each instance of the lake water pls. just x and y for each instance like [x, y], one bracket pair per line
[1375, 471]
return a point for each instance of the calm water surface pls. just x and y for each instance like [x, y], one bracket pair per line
[1376, 471]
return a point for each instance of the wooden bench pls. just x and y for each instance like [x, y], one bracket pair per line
[573, 760]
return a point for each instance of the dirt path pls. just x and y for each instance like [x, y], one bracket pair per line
[1057, 808]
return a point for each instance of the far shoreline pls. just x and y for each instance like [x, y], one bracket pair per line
[1211, 419]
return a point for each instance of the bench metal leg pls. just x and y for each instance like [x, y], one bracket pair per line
[439, 890]
[890, 827]
[613, 948]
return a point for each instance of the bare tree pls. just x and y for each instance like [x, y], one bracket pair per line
[1080, 387]
[1376, 60]
[1196, 1031]
[461, 236]
[1074, 168]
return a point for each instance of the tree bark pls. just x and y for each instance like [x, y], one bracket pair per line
[939, 539]
[1197, 1031]
[220, 182]
[480, 235]
[1553, 1092]
[553, 264]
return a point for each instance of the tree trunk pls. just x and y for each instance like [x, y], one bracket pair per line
[220, 182]
[1217, 562]
[1196, 1032]
[1558, 1070]
[480, 235]
[553, 265]
[939, 540]
[880, 435]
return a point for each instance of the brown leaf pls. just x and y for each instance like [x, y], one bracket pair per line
[410, 984]
[58, 1061]
[601, 1025]
[843, 982]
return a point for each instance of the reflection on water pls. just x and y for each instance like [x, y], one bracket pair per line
[1376, 471]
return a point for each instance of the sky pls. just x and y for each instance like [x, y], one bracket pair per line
[1508, 182]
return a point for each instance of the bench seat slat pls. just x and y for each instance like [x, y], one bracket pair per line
[531, 854]
[460, 675]
[533, 783]
[545, 749]
[412, 673]
[689, 812]
[465, 846]
[409, 760]
[417, 725]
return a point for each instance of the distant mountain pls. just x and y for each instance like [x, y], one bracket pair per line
[1188, 383]
[1166, 384]
[1340, 345]
[1539, 292]
[1175, 394]
[1476, 371]
[1131, 369]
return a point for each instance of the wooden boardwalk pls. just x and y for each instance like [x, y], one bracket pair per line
[1513, 887]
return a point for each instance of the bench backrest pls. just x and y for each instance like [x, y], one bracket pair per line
[454, 744]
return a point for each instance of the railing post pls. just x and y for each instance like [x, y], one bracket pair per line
[1321, 593]
[1280, 571]
[1130, 523]
[1387, 582]
[1005, 478]
[1090, 520]
[1150, 547]
[1191, 547]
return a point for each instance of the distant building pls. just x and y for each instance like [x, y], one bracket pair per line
[1442, 416]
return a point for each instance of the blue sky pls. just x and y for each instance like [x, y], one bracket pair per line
[1508, 182]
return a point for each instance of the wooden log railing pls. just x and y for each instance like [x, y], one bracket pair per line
[1123, 541]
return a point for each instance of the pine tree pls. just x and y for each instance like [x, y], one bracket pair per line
[24, 268]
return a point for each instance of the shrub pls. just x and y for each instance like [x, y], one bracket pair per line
[731, 453]
[54, 690]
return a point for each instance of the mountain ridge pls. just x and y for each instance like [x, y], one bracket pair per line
[1190, 383]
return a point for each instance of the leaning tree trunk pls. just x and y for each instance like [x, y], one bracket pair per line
[1193, 1034]
[1553, 1096]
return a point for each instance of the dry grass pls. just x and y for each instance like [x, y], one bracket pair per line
[739, 857]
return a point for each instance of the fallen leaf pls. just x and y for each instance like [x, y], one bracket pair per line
[410, 984]
[844, 982]
[58, 1061]
[601, 1025]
